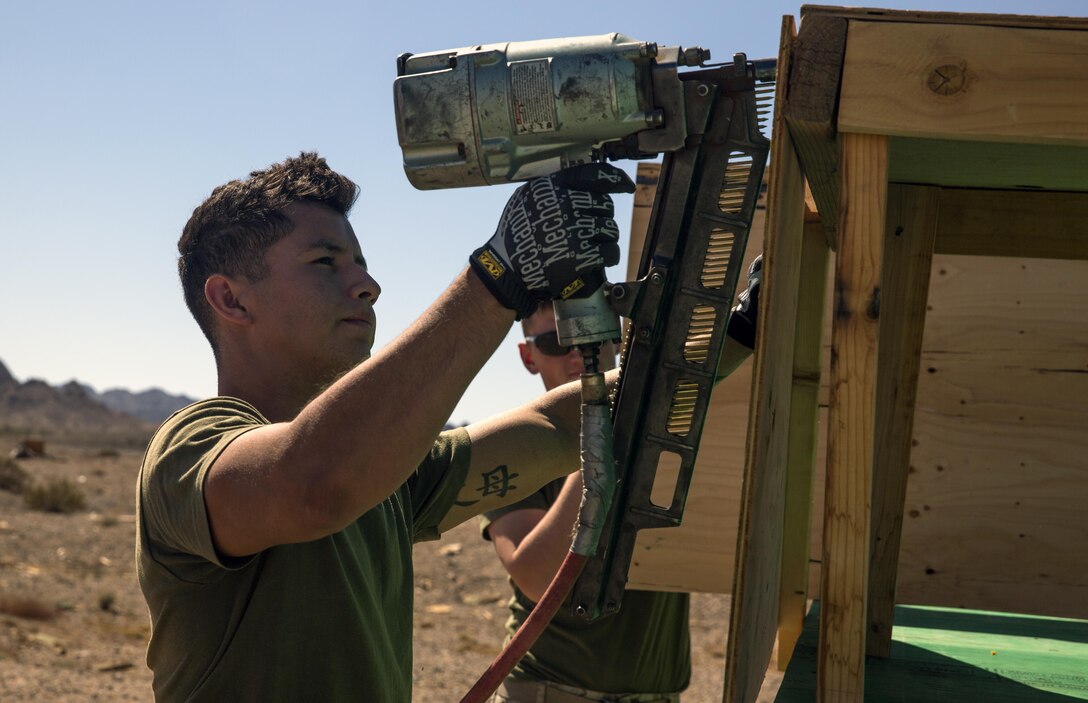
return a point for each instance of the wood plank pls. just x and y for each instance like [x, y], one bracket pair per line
[970, 164]
[813, 94]
[804, 422]
[1013, 223]
[975, 18]
[965, 82]
[863, 194]
[908, 256]
[754, 614]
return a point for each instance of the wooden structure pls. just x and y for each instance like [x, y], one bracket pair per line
[920, 134]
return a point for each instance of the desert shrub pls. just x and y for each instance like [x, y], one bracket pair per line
[107, 600]
[54, 496]
[12, 476]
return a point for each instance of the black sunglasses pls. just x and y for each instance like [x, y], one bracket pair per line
[548, 344]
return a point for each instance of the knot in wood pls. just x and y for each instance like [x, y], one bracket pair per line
[947, 79]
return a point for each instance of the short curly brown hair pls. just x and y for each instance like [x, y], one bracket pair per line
[230, 232]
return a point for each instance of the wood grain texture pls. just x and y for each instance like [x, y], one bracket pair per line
[1002, 399]
[1020, 224]
[975, 18]
[813, 95]
[965, 82]
[753, 621]
[1004, 339]
[863, 193]
[804, 424]
[908, 255]
[975, 164]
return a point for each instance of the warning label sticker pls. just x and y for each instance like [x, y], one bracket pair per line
[533, 98]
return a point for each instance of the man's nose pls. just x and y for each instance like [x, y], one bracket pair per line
[366, 287]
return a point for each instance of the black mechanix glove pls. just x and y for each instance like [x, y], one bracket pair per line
[554, 238]
[742, 321]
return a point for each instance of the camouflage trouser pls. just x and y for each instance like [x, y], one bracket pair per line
[515, 691]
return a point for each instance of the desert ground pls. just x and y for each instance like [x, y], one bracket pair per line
[74, 627]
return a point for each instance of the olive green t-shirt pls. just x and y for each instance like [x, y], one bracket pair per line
[327, 620]
[644, 648]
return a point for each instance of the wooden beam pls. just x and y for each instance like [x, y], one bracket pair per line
[964, 82]
[813, 92]
[971, 164]
[1013, 223]
[803, 437]
[992, 20]
[844, 585]
[908, 257]
[752, 622]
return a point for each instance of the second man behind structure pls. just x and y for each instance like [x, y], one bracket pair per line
[643, 653]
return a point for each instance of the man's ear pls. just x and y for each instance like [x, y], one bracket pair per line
[221, 293]
[527, 358]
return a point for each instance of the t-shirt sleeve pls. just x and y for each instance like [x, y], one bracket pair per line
[541, 500]
[435, 484]
[172, 510]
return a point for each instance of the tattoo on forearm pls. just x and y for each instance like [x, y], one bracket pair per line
[496, 482]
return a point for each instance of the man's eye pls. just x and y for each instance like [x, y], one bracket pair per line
[325, 260]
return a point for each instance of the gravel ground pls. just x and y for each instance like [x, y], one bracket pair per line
[73, 625]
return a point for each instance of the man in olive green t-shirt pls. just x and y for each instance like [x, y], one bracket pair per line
[642, 653]
[645, 648]
[275, 521]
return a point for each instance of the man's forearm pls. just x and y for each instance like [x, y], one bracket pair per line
[538, 556]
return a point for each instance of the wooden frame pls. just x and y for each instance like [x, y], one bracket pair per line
[903, 124]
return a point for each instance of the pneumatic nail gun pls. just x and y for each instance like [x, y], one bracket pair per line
[496, 113]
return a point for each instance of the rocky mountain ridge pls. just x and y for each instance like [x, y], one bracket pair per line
[35, 407]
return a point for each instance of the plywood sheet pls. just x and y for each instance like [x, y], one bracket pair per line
[999, 451]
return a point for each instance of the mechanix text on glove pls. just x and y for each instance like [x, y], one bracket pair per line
[554, 239]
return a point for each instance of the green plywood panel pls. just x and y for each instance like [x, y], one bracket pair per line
[944, 655]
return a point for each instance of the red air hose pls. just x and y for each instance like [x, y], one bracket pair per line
[527, 634]
[598, 485]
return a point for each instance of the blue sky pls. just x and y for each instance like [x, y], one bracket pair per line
[118, 118]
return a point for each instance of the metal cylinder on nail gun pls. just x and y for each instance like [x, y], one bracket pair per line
[598, 465]
[588, 320]
[511, 111]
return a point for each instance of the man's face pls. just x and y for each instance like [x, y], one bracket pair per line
[314, 308]
[556, 370]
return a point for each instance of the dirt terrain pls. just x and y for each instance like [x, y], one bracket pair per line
[73, 625]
